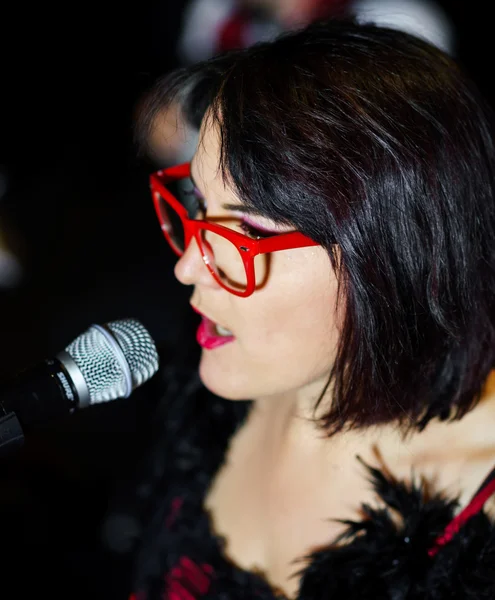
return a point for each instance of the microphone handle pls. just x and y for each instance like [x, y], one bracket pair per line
[35, 396]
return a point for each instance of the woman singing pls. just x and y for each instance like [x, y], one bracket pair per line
[336, 226]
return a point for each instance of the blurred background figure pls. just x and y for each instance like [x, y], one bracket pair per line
[423, 18]
[10, 265]
[210, 27]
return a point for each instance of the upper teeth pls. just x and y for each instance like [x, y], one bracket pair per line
[222, 331]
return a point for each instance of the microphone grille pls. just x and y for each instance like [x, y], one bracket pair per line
[114, 359]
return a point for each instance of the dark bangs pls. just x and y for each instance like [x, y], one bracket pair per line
[373, 143]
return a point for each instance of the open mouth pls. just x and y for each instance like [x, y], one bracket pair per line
[210, 335]
[222, 330]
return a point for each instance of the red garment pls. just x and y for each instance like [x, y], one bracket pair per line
[236, 30]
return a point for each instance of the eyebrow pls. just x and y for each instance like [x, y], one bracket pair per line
[242, 208]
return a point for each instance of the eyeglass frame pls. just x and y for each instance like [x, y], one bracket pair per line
[247, 247]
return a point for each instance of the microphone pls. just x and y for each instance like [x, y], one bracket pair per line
[104, 363]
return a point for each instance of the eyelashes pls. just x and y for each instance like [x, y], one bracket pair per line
[254, 231]
[250, 228]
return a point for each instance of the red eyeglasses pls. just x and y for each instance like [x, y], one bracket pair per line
[239, 263]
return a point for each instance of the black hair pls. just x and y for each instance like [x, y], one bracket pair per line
[375, 144]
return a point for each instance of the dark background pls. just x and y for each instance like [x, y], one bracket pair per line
[78, 209]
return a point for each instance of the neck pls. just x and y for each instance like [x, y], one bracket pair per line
[290, 421]
[294, 416]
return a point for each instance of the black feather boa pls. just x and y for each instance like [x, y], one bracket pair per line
[382, 557]
[376, 558]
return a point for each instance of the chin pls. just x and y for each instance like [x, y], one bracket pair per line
[223, 383]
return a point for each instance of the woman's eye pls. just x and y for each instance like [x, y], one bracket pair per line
[254, 232]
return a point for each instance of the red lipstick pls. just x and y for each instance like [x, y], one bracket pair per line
[207, 336]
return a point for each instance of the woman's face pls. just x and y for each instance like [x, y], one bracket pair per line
[284, 335]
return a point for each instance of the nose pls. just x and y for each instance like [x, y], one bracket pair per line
[190, 269]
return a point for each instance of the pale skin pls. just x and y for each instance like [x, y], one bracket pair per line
[283, 482]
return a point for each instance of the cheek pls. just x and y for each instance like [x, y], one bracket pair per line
[286, 333]
[305, 334]
[296, 312]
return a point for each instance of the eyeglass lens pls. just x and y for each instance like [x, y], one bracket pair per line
[219, 253]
